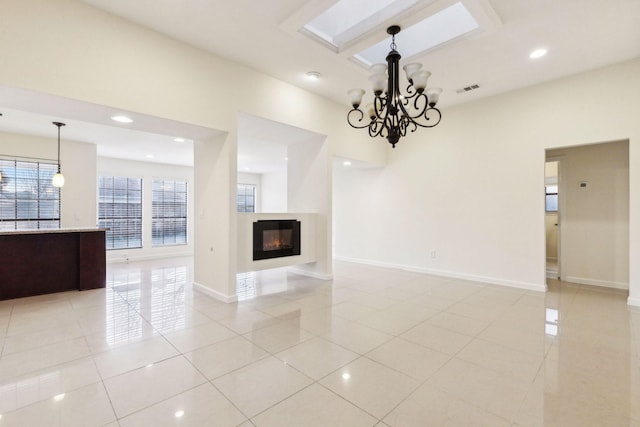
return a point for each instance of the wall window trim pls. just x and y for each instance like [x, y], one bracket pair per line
[28, 200]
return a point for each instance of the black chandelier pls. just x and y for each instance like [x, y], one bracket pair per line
[392, 113]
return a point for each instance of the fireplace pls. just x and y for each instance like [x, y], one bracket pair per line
[276, 238]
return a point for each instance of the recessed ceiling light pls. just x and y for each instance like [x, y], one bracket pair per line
[150, 156]
[179, 139]
[346, 376]
[179, 414]
[313, 76]
[58, 397]
[538, 53]
[122, 119]
[346, 163]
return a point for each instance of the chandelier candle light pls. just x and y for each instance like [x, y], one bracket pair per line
[392, 113]
[58, 178]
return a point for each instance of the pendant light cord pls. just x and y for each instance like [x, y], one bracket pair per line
[59, 124]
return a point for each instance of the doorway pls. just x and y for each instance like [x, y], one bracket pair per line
[592, 212]
[552, 217]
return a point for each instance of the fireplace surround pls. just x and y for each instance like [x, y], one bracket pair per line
[276, 238]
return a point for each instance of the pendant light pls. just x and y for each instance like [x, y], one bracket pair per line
[58, 178]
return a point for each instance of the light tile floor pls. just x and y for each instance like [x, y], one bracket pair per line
[373, 347]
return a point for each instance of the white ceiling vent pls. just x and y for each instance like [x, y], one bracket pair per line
[468, 88]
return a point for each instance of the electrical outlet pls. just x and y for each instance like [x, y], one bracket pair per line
[433, 254]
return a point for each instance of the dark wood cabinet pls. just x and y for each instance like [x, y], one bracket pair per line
[43, 262]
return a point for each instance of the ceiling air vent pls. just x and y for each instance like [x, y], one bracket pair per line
[468, 88]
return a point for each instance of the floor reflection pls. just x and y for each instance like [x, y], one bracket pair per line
[258, 283]
[145, 294]
[590, 369]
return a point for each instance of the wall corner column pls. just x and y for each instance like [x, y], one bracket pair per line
[215, 236]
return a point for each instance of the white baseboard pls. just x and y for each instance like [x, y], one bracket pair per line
[215, 294]
[310, 273]
[594, 282]
[451, 274]
[633, 301]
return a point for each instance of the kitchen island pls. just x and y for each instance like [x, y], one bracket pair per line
[37, 262]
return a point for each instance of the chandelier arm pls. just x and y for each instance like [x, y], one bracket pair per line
[379, 105]
[377, 126]
[380, 128]
[431, 116]
[405, 113]
[349, 118]
[411, 91]
[434, 112]
[421, 110]
[375, 129]
[409, 123]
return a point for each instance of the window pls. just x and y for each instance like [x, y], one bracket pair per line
[246, 198]
[551, 198]
[28, 200]
[120, 210]
[169, 212]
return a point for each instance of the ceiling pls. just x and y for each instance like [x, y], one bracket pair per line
[265, 35]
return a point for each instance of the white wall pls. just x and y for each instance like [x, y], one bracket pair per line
[470, 190]
[309, 190]
[148, 171]
[78, 165]
[595, 219]
[274, 191]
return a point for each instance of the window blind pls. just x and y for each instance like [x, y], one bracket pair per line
[120, 210]
[169, 212]
[28, 200]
